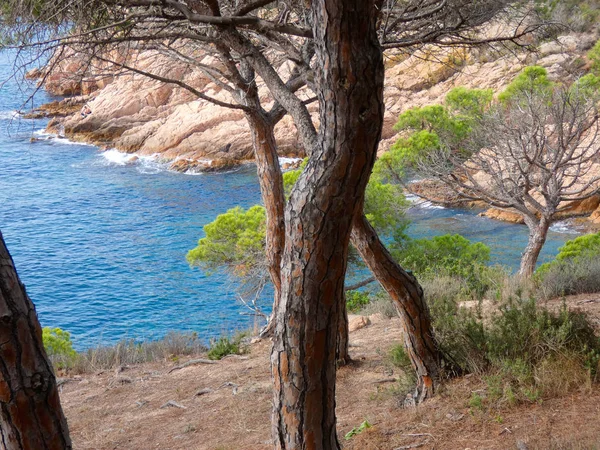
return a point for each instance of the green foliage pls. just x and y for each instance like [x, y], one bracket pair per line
[594, 57]
[577, 275]
[219, 348]
[400, 358]
[291, 176]
[532, 80]
[235, 239]
[58, 344]
[522, 346]
[356, 300]
[576, 269]
[588, 244]
[451, 255]
[357, 430]
[385, 207]
[469, 102]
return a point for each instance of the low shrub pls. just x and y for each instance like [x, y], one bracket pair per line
[219, 348]
[356, 301]
[576, 269]
[524, 344]
[379, 303]
[449, 255]
[59, 347]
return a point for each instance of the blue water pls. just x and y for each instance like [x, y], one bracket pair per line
[101, 245]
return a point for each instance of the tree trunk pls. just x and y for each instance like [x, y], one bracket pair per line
[343, 339]
[407, 295]
[319, 216]
[538, 231]
[271, 187]
[30, 414]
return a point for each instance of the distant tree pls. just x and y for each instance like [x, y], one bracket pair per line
[31, 417]
[534, 151]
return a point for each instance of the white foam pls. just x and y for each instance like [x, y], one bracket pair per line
[9, 115]
[118, 158]
[564, 226]
[44, 135]
[418, 202]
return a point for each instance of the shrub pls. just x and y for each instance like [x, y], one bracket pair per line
[380, 303]
[522, 344]
[594, 57]
[451, 255]
[533, 79]
[224, 346]
[356, 300]
[59, 347]
[576, 269]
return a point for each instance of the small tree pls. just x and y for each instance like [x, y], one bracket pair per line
[535, 151]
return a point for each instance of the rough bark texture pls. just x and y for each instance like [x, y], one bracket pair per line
[319, 216]
[30, 414]
[407, 295]
[538, 231]
[271, 187]
[343, 339]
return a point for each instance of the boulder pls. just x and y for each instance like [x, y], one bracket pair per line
[358, 322]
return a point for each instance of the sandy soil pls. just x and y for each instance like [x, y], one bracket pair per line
[226, 406]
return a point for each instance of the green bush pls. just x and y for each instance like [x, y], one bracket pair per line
[451, 255]
[523, 343]
[594, 57]
[576, 269]
[235, 239]
[533, 79]
[356, 300]
[219, 348]
[58, 346]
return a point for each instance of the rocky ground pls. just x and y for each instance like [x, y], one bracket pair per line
[226, 405]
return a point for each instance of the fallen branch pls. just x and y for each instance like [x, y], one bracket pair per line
[192, 362]
[407, 447]
[172, 403]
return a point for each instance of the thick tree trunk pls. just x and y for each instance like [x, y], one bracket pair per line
[30, 414]
[319, 216]
[407, 295]
[538, 231]
[343, 339]
[271, 187]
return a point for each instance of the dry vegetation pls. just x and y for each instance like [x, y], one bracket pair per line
[226, 405]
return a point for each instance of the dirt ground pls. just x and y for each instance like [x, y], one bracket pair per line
[226, 406]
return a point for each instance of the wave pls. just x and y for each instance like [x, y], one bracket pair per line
[564, 227]
[145, 164]
[418, 202]
[43, 135]
[10, 115]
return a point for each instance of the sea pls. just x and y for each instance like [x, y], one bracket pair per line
[100, 240]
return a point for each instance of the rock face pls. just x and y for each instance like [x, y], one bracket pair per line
[137, 115]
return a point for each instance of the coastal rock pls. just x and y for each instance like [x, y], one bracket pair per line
[357, 322]
[134, 114]
[504, 215]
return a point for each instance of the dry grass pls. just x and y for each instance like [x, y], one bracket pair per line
[122, 410]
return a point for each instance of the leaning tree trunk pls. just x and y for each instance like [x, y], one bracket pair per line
[407, 295]
[30, 414]
[319, 216]
[538, 231]
[271, 187]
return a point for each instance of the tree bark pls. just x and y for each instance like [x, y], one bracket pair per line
[319, 216]
[31, 417]
[343, 339]
[272, 191]
[538, 231]
[407, 295]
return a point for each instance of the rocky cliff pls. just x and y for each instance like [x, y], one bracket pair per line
[137, 115]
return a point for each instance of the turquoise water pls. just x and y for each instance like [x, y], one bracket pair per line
[101, 244]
